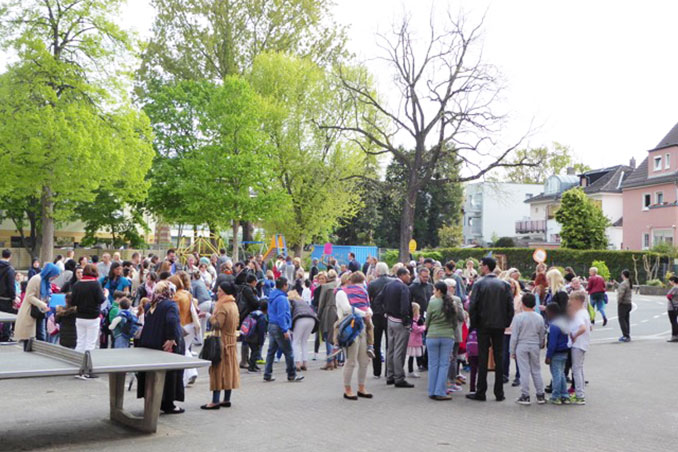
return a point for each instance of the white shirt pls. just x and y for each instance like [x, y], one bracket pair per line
[581, 318]
[306, 295]
[344, 307]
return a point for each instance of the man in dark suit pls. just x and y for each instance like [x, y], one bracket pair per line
[491, 311]
[374, 289]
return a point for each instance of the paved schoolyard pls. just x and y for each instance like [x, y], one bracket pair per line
[631, 407]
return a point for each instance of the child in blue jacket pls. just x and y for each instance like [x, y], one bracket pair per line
[556, 352]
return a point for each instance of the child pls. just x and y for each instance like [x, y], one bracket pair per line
[269, 283]
[306, 292]
[124, 325]
[415, 345]
[527, 337]
[256, 339]
[557, 351]
[472, 356]
[580, 334]
[65, 317]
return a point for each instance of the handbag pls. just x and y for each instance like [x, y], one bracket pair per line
[36, 313]
[211, 348]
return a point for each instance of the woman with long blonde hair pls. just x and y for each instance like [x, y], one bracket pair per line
[556, 290]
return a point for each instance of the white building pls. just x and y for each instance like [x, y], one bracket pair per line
[491, 210]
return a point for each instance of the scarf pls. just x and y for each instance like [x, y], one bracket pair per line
[149, 291]
[48, 272]
[357, 297]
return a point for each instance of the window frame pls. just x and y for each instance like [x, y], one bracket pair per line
[645, 196]
[658, 194]
[667, 161]
[657, 163]
[645, 244]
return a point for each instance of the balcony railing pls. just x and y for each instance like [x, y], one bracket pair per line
[530, 226]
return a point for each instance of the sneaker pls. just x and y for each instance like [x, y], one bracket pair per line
[515, 383]
[541, 399]
[565, 401]
[253, 371]
[261, 361]
[579, 401]
[269, 379]
[461, 377]
[556, 401]
[604, 321]
[621, 339]
[523, 400]
[81, 377]
[192, 379]
[455, 388]
[370, 352]
[548, 389]
[296, 379]
[91, 376]
[413, 375]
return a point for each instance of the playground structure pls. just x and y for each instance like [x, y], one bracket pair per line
[277, 247]
[204, 246]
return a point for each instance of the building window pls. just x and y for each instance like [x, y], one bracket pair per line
[646, 241]
[647, 201]
[662, 236]
[667, 161]
[659, 197]
[658, 163]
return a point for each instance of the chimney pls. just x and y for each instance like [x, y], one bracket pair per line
[632, 163]
[570, 171]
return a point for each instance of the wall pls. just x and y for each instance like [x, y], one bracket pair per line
[503, 205]
[673, 161]
[638, 221]
[612, 205]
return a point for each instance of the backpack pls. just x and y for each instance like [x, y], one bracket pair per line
[349, 329]
[248, 327]
[130, 325]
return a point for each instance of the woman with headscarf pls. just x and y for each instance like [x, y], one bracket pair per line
[35, 268]
[62, 280]
[225, 376]
[162, 331]
[38, 293]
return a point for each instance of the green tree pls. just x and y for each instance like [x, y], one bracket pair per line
[69, 128]
[111, 213]
[213, 162]
[314, 167]
[211, 39]
[583, 222]
[546, 162]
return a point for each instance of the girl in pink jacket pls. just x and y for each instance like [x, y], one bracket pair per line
[415, 345]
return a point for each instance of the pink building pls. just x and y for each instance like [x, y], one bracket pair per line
[651, 197]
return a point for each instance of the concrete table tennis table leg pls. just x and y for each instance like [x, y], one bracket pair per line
[155, 382]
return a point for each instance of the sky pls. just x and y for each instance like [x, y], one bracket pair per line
[597, 76]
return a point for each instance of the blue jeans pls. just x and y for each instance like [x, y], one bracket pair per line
[216, 395]
[559, 384]
[121, 342]
[439, 349]
[598, 302]
[41, 330]
[276, 341]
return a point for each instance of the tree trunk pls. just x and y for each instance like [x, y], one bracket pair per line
[214, 233]
[407, 223]
[299, 247]
[236, 227]
[247, 231]
[47, 214]
[180, 232]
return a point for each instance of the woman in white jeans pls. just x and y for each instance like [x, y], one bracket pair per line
[87, 295]
[352, 298]
[304, 322]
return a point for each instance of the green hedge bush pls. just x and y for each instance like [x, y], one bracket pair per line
[521, 258]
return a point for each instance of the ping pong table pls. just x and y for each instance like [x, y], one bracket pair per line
[42, 359]
[6, 317]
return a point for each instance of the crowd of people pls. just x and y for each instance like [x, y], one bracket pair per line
[455, 323]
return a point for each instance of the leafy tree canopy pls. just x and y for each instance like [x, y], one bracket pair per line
[583, 222]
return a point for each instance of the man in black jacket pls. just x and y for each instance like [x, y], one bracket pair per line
[374, 289]
[7, 292]
[421, 291]
[491, 311]
[353, 265]
[399, 324]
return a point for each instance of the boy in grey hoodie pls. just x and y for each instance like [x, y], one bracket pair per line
[528, 334]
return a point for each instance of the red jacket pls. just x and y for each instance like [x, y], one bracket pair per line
[596, 285]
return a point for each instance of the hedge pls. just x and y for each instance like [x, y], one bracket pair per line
[521, 258]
